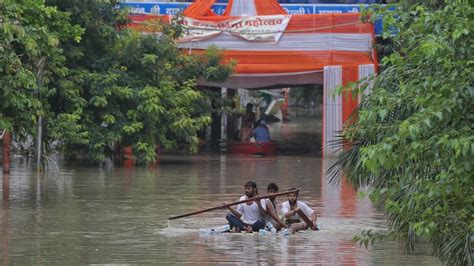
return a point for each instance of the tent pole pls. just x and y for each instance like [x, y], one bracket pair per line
[223, 116]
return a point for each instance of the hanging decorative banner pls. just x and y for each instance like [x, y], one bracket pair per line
[251, 28]
[174, 8]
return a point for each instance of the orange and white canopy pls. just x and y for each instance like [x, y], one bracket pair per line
[299, 50]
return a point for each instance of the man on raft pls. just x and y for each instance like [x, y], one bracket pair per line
[273, 222]
[248, 216]
[297, 214]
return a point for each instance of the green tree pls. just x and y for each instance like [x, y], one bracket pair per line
[127, 88]
[413, 139]
[30, 55]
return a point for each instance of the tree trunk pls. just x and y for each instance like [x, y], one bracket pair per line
[6, 152]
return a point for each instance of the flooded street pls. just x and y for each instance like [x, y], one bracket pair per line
[87, 215]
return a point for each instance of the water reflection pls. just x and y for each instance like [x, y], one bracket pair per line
[89, 215]
[5, 217]
[5, 190]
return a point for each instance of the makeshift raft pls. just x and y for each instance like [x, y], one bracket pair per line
[225, 229]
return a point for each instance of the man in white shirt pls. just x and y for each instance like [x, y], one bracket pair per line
[248, 216]
[295, 211]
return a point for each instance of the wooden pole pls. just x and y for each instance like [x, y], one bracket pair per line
[223, 116]
[6, 152]
[232, 204]
[38, 144]
[306, 219]
[39, 81]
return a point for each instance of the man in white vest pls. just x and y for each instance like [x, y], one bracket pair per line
[248, 216]
[298, 215]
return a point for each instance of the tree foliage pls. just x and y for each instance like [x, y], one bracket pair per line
[97, 85]
[30, 54]
[129, 89]
[413, 141]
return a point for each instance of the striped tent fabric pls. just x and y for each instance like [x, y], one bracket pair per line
[309, 43]
[338, 109]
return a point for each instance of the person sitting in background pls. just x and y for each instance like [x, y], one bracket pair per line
[261, 132]
[246, 132]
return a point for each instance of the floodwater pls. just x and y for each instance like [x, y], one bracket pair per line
[77, 214]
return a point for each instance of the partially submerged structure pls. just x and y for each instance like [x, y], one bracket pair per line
[274, 49]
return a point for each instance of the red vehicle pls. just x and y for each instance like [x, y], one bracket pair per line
[253, 148]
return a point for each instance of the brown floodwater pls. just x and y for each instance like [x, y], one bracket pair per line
[79, 214]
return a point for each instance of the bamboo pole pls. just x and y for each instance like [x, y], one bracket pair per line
[232, 204]
[39, 81]
[306, 220]
[38, 143]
